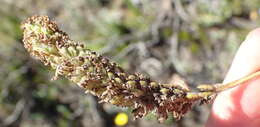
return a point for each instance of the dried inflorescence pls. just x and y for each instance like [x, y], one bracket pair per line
[103, 78]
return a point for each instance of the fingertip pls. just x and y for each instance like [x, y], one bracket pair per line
[254, 34]
[247, 57]
[250, 102]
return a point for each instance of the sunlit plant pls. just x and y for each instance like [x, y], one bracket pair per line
[107, 80]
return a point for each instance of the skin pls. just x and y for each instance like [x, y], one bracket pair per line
[240, 106]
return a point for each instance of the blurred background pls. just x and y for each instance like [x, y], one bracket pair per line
[196, 39]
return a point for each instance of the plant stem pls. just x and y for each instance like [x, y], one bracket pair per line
[222, 87]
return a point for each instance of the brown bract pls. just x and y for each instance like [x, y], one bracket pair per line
[101, 77]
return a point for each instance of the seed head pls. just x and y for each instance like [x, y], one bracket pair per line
[99, 76]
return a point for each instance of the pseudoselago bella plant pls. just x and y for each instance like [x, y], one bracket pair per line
[107, 80]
